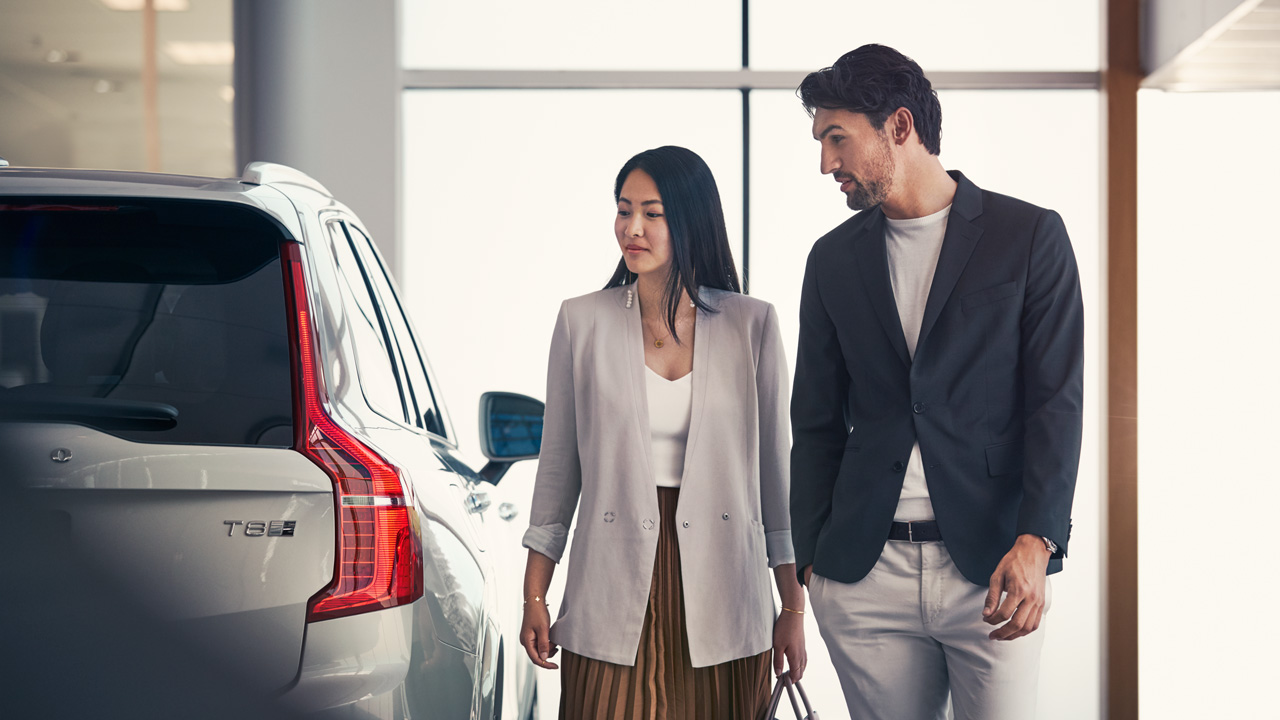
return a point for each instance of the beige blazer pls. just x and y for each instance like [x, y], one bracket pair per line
[733, 520]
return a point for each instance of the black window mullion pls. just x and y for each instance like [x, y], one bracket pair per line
[746, 151]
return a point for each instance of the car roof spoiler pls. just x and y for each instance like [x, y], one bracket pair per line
[265, 173]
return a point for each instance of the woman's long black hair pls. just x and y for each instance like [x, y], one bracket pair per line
[700, 252]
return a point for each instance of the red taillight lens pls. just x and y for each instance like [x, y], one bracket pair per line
[379, 556]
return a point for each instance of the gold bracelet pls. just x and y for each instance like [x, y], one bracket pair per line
[798, 612]
[535, 598]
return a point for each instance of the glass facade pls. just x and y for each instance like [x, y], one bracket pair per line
[508, 195]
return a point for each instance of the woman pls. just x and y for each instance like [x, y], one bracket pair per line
[668, 377]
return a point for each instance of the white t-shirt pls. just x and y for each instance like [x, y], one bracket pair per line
[670, 405]
[913, 246]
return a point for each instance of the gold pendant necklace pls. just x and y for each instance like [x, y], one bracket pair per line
[660, 342]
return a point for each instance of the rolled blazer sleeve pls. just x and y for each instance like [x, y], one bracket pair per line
[559, 479]
[775, 443]
[1053, 383]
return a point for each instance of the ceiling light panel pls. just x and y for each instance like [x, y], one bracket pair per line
[161, 5]
[200, 53]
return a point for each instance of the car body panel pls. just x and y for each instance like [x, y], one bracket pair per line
[157, 516]
[174, 520]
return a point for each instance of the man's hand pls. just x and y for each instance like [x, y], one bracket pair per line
[1020, 578]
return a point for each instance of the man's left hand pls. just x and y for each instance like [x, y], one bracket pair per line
[1020, 577]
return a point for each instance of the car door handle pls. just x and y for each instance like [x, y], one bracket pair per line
[478, 502]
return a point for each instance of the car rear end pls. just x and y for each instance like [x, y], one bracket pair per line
[162, 417]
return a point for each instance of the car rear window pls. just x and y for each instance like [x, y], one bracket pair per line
[157, 321]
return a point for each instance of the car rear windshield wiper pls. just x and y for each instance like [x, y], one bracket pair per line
[101, 413]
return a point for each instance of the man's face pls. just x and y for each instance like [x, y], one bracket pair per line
[857, 154]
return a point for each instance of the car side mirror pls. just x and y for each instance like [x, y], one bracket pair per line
[510, 431]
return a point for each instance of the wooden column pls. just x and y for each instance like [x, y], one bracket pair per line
[1121, 79]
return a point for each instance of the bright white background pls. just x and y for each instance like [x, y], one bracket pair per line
[508, 197]
[1040, 146]
[572, 34]
[938, 34]
[1208, 349]
[509, 210]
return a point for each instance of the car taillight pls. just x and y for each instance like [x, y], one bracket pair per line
[379, 554]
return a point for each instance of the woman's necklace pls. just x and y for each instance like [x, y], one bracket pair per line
[660, 342]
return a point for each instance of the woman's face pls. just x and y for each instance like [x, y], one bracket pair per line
[641, 226]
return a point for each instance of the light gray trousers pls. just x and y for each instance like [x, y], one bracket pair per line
[911, 633]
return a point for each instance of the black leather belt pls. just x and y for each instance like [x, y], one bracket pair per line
[916, 532]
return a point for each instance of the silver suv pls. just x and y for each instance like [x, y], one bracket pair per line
[210, 391]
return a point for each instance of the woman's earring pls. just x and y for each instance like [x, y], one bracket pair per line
[628, 297]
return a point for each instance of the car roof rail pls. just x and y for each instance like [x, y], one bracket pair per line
[264, 173]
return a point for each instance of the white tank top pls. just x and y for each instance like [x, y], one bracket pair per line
[670, 404]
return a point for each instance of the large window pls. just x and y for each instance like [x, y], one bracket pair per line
[1207, 297]
[509, 210]
[513, 133]
[981, 35]
[572, 35]
[1046, 151]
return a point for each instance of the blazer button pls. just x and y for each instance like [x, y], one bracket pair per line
[647, 524]
[686, 523]
[898, 466]
[918, 408]
[725, 516]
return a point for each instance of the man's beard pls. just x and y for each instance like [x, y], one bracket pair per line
[875, 189]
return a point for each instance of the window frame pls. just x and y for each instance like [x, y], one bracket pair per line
[368, 255]
[334, 226]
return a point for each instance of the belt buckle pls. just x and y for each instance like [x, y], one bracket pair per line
[911, 534]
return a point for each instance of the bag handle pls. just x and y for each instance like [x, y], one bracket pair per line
[785, 682]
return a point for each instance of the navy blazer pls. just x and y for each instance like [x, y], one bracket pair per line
[993, 395]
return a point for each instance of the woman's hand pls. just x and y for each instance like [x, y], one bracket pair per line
[788, 641]
[788, 629]
[535, 630]
[535, 634]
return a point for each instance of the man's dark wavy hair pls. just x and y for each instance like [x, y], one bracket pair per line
[876, 80]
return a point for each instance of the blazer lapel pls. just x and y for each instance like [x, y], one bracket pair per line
[703, 347]
[633, 346]
[957, 246]
[873, 266]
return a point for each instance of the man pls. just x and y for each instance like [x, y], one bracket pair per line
[936, 413]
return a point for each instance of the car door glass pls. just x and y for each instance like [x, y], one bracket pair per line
[379, 381]
[411, 386]
[429, 416]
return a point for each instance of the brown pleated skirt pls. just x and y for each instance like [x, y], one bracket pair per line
[663, 684]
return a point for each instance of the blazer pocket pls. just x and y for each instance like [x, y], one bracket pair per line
[989, 295]
[1005, 458]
